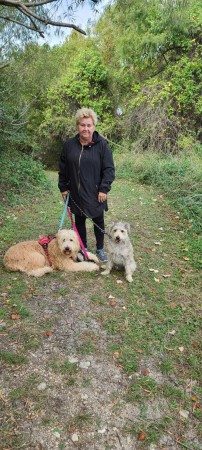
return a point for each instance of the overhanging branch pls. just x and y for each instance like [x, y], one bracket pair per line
[26, 10]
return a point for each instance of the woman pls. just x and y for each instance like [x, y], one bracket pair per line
[86, 170]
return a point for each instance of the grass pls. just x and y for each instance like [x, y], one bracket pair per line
[12, 358]
[152, 328]
[179, 177]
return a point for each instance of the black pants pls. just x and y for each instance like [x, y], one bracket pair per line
[80, 222]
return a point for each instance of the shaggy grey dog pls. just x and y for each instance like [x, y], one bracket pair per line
[120, 250]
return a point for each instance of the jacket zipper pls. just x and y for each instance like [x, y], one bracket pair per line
[79, 185]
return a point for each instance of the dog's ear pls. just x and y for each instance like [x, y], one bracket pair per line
[109, 229]
[127, 226]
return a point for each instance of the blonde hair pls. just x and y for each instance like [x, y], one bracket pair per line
[86, 112]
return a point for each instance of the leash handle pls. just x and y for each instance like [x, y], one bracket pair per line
[64, 212]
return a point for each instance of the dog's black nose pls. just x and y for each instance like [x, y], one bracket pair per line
[117, 239]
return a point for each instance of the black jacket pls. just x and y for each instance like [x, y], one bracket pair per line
[85, 171]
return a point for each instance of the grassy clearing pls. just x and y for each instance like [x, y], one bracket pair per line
[179, 178]
[153, 324]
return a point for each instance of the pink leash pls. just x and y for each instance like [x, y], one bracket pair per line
[67, 208]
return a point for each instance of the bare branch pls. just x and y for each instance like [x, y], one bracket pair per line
[24, 8]
[14, 4]
[20, 23]
[35, 27]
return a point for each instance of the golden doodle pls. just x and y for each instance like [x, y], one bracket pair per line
[63, 250]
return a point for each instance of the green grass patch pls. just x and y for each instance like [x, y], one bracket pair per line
[12, 358]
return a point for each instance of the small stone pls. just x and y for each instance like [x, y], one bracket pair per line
[184, 414]
[74, 437]
[3, 324]
[102, 431]
[72, 359]
[84, 364]
[84, 396]
[42, 387]
[56, 434]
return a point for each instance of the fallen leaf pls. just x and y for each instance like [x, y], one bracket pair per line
[119, 281]
[15, 316]
[172, 332]
[48, 333]
[166, 275]
[181, 349]
[113, 303]
[141, 436]
[195, 344]
[184, 414]
[111, 296]
[196, 406]
[194, 398]
[8, 287]
[148, 250]
[185, 258]
[139, 350]
[172, 305]
[157, 243]
[157, 280]
[116, 355]
[154, 270]
[145, 372]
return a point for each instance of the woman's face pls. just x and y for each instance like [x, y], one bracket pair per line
[86, 128]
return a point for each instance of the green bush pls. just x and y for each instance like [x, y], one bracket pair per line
[20, 176]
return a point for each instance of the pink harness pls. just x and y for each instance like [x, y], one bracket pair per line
[44, 241]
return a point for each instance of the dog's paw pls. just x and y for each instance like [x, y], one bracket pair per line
[92, 257]
[106, 272]
[80, 257]
[129, 278]
[92, 267]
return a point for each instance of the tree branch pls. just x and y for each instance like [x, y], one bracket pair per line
[19, 23]
[24, 9]
[35, 28]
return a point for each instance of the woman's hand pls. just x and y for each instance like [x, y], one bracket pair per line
[102, 197]
[64, 195]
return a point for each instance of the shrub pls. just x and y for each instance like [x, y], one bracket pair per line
[20, 175]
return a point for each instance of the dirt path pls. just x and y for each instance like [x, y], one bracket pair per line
[96, 363]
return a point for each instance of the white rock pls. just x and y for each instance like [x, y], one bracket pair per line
[56, 434]
[72, 359]
[84, 396]
[42, 387]
[102, 431]
[74, 437]
[84, 364]
[184, 414]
